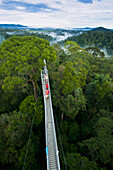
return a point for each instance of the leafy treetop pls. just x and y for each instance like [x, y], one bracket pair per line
[22, 60]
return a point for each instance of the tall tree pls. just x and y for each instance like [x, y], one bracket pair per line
[21, 60]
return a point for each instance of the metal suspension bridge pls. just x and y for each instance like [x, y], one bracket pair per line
[52, 155]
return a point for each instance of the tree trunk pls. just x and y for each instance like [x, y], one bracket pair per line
[62, 115]
[35, 90]
[34, 85]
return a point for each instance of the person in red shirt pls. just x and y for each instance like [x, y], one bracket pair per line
[47, 94]
[47, 86]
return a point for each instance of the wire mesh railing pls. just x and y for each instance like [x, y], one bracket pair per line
[50, 110]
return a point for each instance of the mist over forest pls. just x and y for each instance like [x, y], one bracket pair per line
[60, 36]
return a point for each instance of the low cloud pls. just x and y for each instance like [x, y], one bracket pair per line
[20, 7]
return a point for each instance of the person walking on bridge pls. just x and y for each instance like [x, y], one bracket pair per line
[46, 77]
[47, 86]
[47, 94]
[47, 151]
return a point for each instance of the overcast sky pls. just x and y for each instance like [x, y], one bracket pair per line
[57, 13]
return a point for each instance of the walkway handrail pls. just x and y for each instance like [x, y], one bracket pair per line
[52, 118]
[43, 81]
[54, 132]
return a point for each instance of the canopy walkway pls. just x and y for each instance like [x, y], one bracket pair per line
[52, 156]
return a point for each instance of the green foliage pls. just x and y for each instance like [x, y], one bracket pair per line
[104, 85]
[69, 134]
[101, 147]
[29, 106]
[72, 46]
[95, 51]
[14, 133]
[74, 77]
[73, 104]
[9, 101]
[5, 34]
[83, 73]
[78, 162]
[70, 104]
[13, 128]
[82, 95]
[99, 92]
[96, 39]
[22, 60]
[73, 132]
[31, 161]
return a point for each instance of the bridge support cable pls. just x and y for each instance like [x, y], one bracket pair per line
[60, 141]
[50, 133]
[29, 138]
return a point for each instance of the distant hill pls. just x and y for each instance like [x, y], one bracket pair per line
[99, 37]
[101, 29]
[83, 29]
[12, 26]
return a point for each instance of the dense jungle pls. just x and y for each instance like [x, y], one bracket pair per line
[81, 81]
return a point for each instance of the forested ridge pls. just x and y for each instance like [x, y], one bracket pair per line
[82, 95]
[99, 37]
[7, 33]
